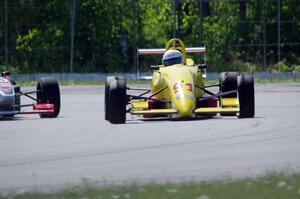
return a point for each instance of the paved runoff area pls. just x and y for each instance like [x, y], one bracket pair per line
[80, 147]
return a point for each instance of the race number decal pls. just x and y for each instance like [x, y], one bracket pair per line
[189, 87]
[175, 87]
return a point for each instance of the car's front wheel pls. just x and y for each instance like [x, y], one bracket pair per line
[106, 95]
[245, 84]
[117, 100]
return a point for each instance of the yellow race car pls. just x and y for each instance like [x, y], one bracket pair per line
[178, 90]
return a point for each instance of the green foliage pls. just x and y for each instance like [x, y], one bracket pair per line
[250, 67]
[282, 67]
[219, 30]
[39, 34]
[296, 68]
[37, 48]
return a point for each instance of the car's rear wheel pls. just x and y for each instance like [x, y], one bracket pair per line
[106, 95]
[48, 92]
[117, 101]
[246, 97]
[228, 82]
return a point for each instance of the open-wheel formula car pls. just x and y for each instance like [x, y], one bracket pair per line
[46, 103]
[178, 90]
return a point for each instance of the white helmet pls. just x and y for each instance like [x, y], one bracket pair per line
[172, 57]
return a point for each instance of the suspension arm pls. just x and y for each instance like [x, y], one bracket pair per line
[218, 95]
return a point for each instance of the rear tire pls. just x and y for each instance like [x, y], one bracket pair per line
[246, 96]
[48, 92]
[228, 82]
[117, 101]
[106, 97]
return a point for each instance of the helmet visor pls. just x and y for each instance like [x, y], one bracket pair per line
[172, 61]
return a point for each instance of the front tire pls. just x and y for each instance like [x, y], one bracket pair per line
[48, 92]
[106, 95]
[246, 97]
[117, 101]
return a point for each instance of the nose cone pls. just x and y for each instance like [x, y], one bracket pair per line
[183, 98]
[185, 106]
[181, 89]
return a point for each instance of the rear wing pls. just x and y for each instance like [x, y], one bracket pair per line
[161, 51]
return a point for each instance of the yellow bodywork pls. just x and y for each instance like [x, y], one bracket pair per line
[229, 102]
[182, 85]
[154, 111]
[139, 105]
[217, 110]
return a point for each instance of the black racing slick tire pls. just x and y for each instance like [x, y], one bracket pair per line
[117, 101]
[48, 92]
[106, 95]
[246, 96]
[228, 82]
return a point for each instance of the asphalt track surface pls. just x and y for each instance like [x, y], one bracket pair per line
[80, 147]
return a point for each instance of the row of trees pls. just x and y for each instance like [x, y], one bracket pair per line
[107, 32]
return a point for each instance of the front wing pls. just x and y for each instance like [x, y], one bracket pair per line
[38, 108]
[226, 105]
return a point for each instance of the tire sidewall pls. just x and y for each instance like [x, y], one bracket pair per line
[48, 92]
[246, 96]
[117, 101]
[106, 95]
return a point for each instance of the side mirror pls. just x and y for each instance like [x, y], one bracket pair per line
[154, 67]
[202, 66]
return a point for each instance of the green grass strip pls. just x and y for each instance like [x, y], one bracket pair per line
[275, 186]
